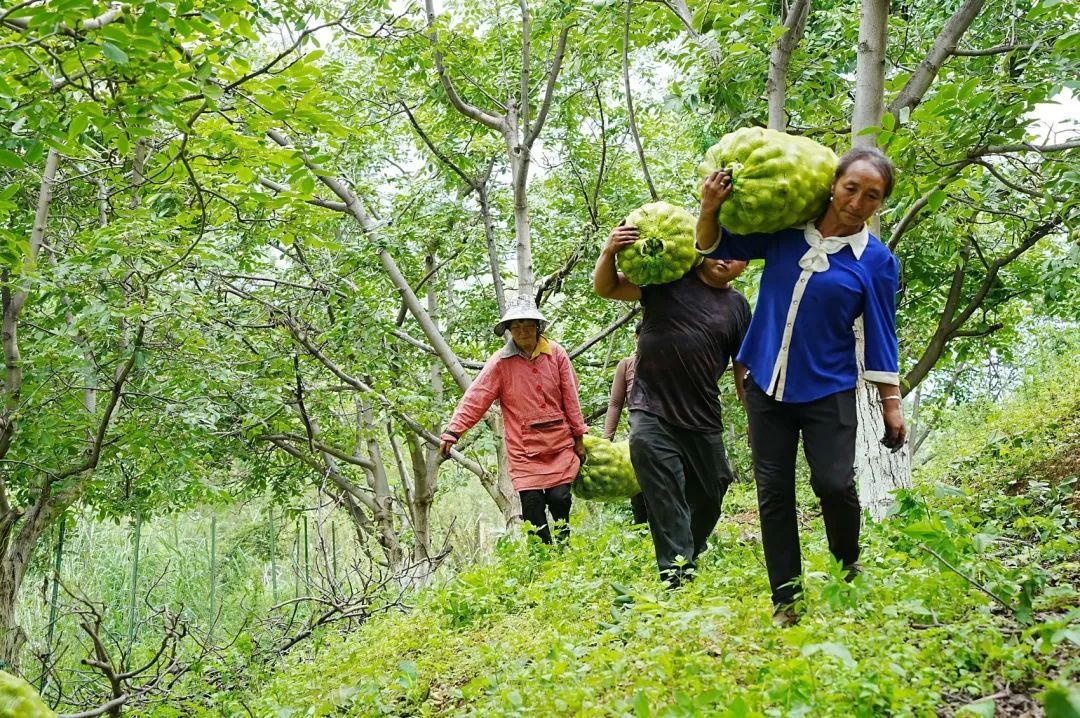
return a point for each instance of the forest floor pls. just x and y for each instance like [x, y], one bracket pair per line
[968, 606]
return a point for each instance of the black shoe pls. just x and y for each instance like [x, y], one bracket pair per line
[851, 571]
[784, 615]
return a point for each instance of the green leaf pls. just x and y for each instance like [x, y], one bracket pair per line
[1062, 702]
[114, 53]
[10, 159]
[984, 708]
[937, 198]
[836, 650]
[641, 706]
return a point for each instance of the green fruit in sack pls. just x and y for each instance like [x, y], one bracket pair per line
[664, 250]
[778, 180]
[18, 699]
[606, 474]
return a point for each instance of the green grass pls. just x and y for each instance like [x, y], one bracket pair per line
[588, 630]
[970, 593]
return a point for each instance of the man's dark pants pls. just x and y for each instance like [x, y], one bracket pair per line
[639, 509]
[557, 500]
[684, 476]
[828, 430]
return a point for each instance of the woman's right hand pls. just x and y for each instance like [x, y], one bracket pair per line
[715, 191]
[620, 238]
[445, 447]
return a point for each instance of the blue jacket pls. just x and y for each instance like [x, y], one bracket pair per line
[801, 343]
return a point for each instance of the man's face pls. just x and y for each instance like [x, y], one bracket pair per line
[720, 272]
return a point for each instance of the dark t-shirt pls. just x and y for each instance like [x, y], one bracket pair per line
[689, 334]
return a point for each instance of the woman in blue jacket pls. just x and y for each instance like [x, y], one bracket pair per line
[800, 357]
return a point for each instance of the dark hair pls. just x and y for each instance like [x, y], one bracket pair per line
[637, 328]
[877, 160]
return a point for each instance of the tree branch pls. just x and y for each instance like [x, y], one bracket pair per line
[549, 89]
[91, 461]
[471, 181]
[630, 103]
[316, 201]
[488, 119]
[389, 264]
[776, 84]
[599, 336]
[985, 331]
[1022, 147]
[944, 46]
[412, 341]
[996, 50]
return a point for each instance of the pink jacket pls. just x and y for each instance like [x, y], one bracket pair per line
[540, 408]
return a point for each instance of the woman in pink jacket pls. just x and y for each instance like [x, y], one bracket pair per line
[532, 379]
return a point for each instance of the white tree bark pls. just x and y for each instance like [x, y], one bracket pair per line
[878, 470]
[516, 126]
[870, 71]
[776, 83]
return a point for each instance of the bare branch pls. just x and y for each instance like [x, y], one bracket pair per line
[599, 336]
[471, 181]
[630, 103]
[320, 446]
[996, 50]
[324, 203]
[100, 710]
[412, 341]
[1022, 147]
[398, 279]
[981, 332]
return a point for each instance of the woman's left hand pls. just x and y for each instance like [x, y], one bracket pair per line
[579, 447]
[895, 431]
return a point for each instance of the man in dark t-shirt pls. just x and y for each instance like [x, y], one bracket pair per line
[692, 328]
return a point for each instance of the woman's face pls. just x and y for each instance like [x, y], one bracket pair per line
[857, 194]
[524, 331]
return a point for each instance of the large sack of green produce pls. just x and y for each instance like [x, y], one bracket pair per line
[607, 474]
[664, 250]
[18, 699]
[778, 180]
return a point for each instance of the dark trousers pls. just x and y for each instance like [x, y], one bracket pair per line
[535, 503]
[641, 511]
[684, 476]
[828, 432]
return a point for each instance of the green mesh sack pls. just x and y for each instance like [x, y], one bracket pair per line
[607, 474]
[778, 180]
[664, 250]
[18, 699]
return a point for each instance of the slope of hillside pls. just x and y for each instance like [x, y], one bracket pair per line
[969, 605]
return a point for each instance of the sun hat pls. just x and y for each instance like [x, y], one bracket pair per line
[519, 308]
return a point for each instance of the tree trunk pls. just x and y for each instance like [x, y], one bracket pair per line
[878, 470]
[519, 170]
[870, 72]
[384, 510]
[16, 547]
